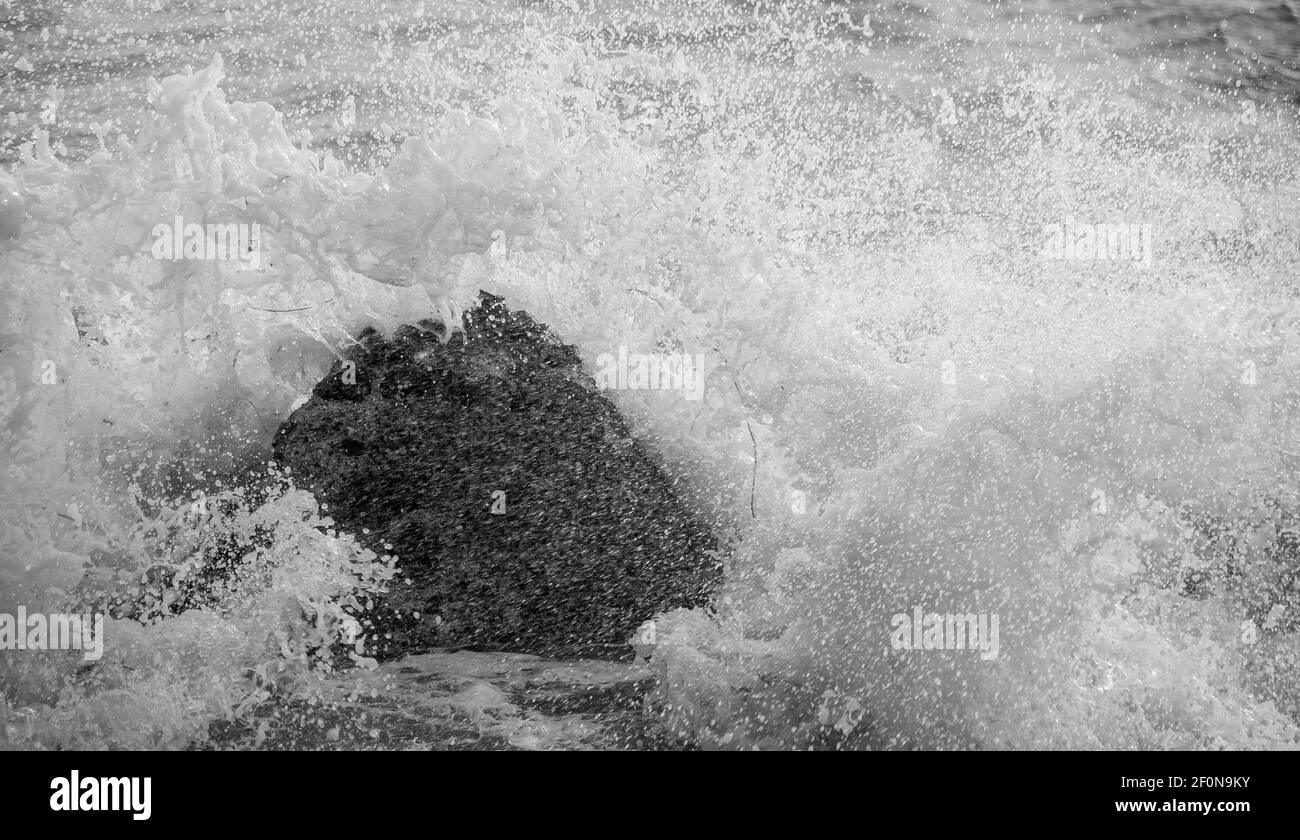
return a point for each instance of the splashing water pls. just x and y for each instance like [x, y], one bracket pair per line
[911, 401]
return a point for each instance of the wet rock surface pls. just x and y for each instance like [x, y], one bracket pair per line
[524, 515]
[463, 700]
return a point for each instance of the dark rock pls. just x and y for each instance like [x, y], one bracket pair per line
[524, 514]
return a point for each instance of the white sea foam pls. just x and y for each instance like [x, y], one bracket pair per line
[970, 427]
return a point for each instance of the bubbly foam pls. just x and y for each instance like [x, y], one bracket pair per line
[907, 403]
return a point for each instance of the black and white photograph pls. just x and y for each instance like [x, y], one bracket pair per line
[650, 376]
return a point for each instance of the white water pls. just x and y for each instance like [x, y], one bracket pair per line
[862, 271]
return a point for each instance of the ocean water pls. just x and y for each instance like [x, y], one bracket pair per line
[846, 211]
